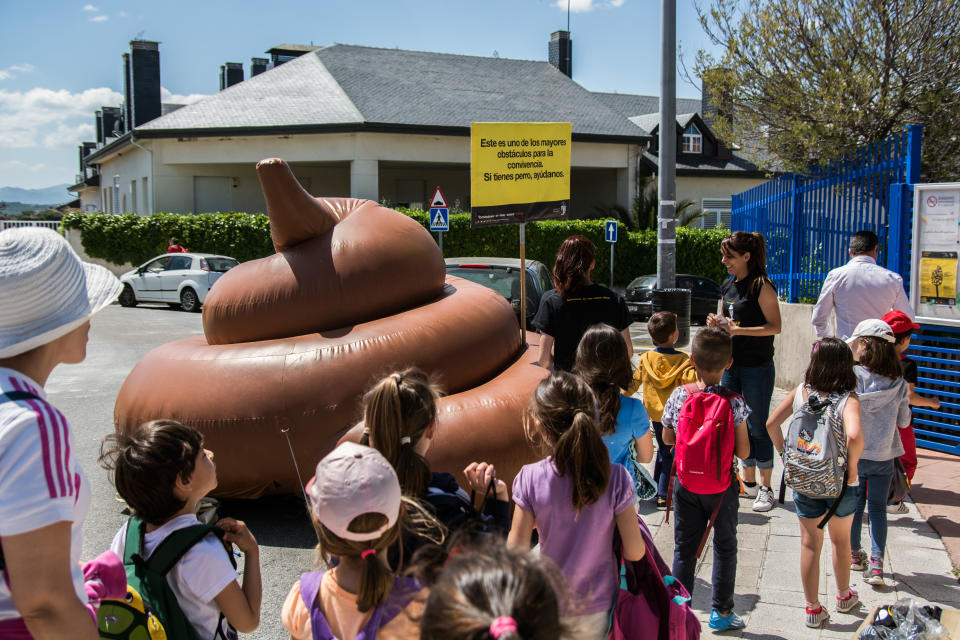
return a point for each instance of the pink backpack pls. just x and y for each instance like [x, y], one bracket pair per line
[705, 441]
[650, 598]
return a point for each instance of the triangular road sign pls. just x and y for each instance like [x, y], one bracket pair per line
[438, 201]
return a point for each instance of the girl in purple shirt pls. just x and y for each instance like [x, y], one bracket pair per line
[574, 498]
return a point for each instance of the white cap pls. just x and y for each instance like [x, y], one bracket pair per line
[872, 327]
[45, 290]
[351, 481]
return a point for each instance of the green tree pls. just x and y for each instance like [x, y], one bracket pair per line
[809, 80]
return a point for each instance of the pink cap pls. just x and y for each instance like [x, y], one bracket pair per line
[351, 481]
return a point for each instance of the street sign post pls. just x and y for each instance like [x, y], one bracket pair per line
[610, 228]
[439, 216]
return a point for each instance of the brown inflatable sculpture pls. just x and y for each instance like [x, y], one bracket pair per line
[292, 341]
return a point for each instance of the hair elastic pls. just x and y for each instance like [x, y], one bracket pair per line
[396, 378]
[367, 552]
[502, 625]
[405, 440]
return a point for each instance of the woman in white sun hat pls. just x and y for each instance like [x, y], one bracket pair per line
[47, 296]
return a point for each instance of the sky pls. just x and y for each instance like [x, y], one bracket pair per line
[60, 61]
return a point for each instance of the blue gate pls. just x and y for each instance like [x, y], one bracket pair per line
[807, 220]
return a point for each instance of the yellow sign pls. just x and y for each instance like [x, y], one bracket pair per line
[938, 277]
[519, 171]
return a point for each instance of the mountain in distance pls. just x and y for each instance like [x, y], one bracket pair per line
[54, 195]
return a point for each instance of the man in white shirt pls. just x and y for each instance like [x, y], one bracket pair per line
[858, 290]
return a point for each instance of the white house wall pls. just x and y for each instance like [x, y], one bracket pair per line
[131, 164]
[697, 188]
[369, 165]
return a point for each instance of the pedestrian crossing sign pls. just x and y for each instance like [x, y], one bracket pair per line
[439, 219]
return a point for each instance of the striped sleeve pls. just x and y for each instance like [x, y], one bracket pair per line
[39, 483]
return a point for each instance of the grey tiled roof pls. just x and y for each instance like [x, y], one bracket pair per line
[635, 105]
[346, 84]
[651, 121]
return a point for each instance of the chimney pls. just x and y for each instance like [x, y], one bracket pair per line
[231, 73]
[100, 127]
[112, 119]
[258, 66]
[141, 83]
[560, 51]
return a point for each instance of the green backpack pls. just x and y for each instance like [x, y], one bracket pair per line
[150, 610]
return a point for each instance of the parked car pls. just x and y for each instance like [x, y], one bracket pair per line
[704, 294]
[503, 276]
[179, 279]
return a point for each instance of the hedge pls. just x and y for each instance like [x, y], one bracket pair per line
[136, 239]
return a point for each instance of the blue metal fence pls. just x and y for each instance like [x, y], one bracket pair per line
[807, 220]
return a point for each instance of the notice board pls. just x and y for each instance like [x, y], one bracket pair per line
[935, 254]
[519, 172]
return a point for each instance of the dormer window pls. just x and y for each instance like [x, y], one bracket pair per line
[692, 140]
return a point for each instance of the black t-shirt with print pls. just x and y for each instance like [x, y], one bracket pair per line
[742, 304]
[567, 319]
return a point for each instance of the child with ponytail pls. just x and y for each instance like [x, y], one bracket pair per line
[357, 509]
[490, 592]
[399, 420]
[575, 498]
[604, 364]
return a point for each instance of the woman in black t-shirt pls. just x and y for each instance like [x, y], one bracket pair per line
[567, 312]
[750, 311]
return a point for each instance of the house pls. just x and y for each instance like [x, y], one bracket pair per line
[366, 122]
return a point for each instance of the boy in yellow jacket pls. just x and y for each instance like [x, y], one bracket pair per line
[661, 370]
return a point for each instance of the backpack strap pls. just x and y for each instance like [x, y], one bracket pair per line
[833, 507]
[309, 591]
[691, 388]
[401, 593]
[168, 552]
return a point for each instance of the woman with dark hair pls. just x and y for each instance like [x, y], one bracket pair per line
[750, 312]
[566, 312]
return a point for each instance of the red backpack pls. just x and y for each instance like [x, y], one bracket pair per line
[705, 441]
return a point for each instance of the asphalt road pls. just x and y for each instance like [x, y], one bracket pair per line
[86, 393]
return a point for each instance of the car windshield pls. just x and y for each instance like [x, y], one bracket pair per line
[643, 281]
[506, 282]
[220, 264]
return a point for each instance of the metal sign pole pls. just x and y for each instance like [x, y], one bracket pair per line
[611, 265]
[523, 282]
[440, 236]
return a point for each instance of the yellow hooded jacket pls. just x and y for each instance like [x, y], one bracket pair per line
[660, 374]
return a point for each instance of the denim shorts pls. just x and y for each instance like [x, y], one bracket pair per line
[808, 507]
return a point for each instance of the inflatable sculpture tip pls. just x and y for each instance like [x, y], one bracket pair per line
[295, 215]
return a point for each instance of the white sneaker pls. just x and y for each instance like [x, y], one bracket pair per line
[765, 500]
[750, 492]
[899, 508]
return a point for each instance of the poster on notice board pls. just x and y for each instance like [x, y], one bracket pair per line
[936, 249]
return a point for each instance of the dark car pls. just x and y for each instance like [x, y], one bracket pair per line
[503, 276]
[704, 294]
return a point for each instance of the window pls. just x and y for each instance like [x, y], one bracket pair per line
[133, 195]
[179, 262]
[692, 140]
[716, 213]
[143, 194]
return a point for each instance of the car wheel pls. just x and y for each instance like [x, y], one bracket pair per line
[189, 301]
[127, 297]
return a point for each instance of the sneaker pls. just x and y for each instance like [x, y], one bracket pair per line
[765, 500]
[875, 571]
[847, 604]
[817, 617]
[858, 560]
[750, 492]
[899, 509]
[661, 502]
[731, 622]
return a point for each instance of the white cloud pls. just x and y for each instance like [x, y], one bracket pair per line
[5, 74]
[122, 14]
[582, 6]
[90, 7]
[23, 166]
[168, 97]
[99, 18]
[50, 118]
[22, 68]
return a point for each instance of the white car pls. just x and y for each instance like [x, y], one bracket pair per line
[179, 279]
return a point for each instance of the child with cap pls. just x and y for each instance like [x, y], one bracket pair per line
[903, 327]
[356, 507]
[883, 408]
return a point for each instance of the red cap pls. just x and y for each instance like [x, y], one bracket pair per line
[900, 322]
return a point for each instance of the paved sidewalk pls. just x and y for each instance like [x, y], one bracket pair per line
[769, 594]
[936, 490]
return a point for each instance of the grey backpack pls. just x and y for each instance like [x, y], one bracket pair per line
[815, 447]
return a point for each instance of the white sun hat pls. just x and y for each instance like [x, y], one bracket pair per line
[872, 328]
[45, 290]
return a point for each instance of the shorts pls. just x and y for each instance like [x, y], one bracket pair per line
[808, 507]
